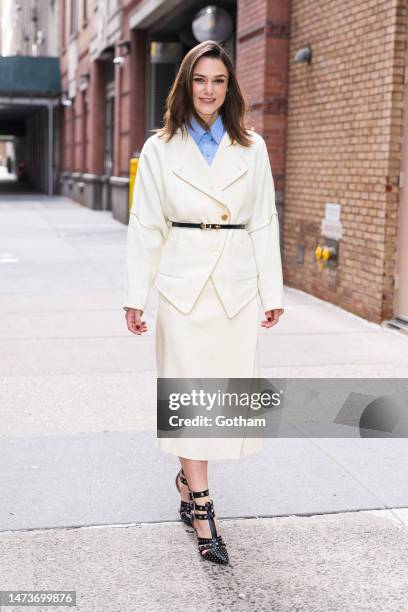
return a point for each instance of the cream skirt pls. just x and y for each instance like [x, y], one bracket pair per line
[207, 344]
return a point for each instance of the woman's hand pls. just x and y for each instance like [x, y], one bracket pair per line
[272, 317]
[134, 321]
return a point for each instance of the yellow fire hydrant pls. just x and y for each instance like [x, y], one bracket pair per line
[318, 252]
[323, 254]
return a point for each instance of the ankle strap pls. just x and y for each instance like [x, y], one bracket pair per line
[208, 508]
[195, 494]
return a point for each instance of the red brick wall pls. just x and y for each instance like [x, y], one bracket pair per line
[251, 56]
[137, 115]
[343, 139]
[333, 130]
[263, 30]
[96, 118]
[133, 93]
[82, 144]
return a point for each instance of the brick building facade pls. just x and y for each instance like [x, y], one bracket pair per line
[343, 145]
[333, 123]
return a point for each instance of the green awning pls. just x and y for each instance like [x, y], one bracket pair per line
[24, 74]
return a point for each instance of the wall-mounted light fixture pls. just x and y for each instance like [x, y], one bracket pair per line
[124, 50]
[119, 60]
[303, 55]
[65, 101]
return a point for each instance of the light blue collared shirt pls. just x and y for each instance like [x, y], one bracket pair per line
[207, 140]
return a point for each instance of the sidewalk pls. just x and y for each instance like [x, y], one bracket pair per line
[88, 502]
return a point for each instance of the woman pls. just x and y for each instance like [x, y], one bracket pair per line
[204, 229]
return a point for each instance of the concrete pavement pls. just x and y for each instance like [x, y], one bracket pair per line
[87, 500]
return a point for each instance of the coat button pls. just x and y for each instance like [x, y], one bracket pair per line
[224, 217]
[216, 252]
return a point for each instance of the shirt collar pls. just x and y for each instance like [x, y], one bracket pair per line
[216, 130]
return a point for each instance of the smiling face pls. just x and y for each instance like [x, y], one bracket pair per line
[209, 87]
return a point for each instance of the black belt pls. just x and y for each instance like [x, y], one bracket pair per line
[207, 225]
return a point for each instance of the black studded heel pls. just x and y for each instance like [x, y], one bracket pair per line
[214, 548]
[186, 508]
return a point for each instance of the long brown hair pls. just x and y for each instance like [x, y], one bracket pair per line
[179, 102]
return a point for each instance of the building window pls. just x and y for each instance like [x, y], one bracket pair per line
[84, 164]
[73, 137]
[165, 58]
[74, 16]
[63, 23]
[84, 13]
[109, 117]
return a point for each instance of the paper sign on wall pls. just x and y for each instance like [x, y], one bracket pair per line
[331, 225]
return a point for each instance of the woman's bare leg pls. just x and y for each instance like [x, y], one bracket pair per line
[196, 472]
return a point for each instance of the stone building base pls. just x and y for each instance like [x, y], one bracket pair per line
[98, 192]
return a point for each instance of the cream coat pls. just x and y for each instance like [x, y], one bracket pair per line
[175, 183]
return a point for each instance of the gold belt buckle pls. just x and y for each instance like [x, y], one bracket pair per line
[208, 226]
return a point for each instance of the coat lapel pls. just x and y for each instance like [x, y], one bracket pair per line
[227, 166]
